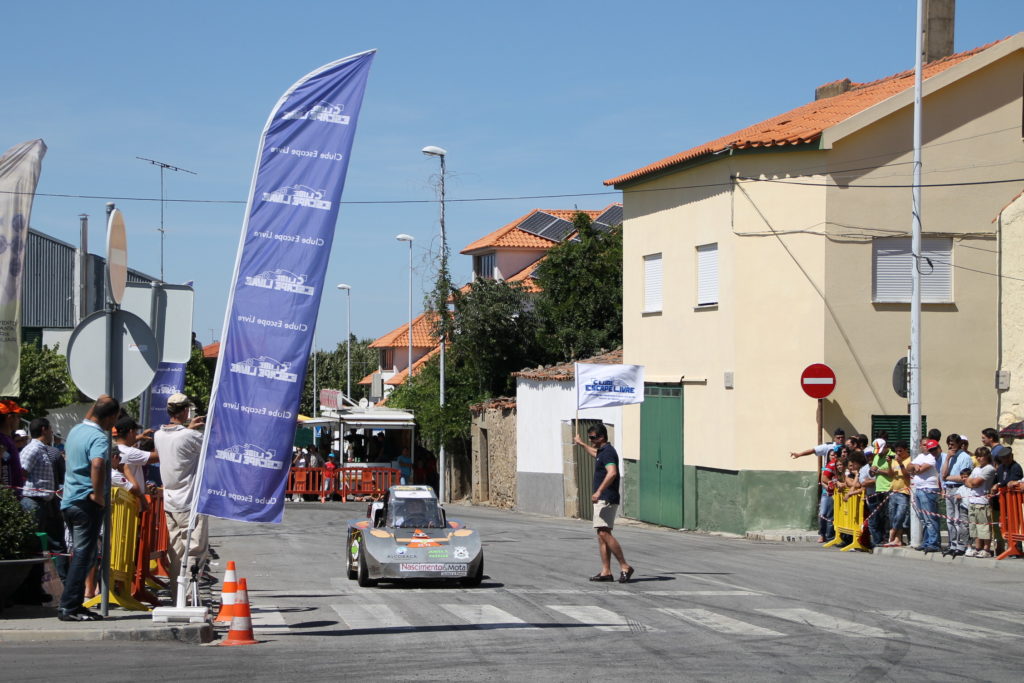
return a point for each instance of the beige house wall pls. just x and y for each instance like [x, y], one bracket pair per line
[971, 133]
[1011, 226]
[748, 333]
[795, 271]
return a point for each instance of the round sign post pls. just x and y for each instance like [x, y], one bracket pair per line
[818, 380]
[117, 256]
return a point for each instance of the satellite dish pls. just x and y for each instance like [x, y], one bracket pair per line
[363, 403]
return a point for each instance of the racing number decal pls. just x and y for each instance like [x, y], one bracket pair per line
[354, 548]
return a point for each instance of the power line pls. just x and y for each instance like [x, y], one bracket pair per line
[883, 187]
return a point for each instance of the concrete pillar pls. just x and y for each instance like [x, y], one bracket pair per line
[939, 21]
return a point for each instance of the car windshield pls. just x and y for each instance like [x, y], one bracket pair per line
[414, 512]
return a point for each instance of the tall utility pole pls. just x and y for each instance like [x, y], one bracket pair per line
[914, 361]
[163, 167]
[442, 303]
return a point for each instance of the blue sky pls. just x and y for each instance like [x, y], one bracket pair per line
[529, 98]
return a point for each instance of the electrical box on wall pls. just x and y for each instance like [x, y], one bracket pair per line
[729, 384]
[1003, 380]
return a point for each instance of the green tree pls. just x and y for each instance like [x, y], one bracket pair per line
[494, 334]
[198, 381]
[580, 305]
[331, 371]
[45, 380]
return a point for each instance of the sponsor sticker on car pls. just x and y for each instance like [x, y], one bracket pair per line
[446, 569]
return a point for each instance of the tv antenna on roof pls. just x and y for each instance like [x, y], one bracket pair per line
[163, 166]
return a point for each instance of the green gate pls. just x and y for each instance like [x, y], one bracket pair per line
[661, 455]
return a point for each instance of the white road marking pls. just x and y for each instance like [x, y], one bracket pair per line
[840, 627]
[359, 617]
[719, 622]
[267, 619]
[947, 627]
[599, 618]
[628, 593]
[1015, 617]
[486, 616]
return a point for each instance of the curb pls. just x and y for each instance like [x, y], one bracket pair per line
[193, 634]
[795, 536]
[985, 563]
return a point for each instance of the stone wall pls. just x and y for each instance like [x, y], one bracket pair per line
[494, 430]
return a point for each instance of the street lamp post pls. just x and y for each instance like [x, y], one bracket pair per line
[441, 153]
[408, 238]
[348, 340]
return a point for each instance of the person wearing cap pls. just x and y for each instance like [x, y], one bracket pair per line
[11, 475]
[825, 451]
[179, 444]
[126, 434]
[925, 487]
[85, 485]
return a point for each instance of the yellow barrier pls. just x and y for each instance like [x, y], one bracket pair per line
[124, 536]
[848, 519]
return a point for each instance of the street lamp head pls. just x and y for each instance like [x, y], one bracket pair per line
[432, 151]
[404, 238]
[345, 287]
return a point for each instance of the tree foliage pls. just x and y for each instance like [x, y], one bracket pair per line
[45, 380]
[580, 306]
[331, 371]
[198, 381]
[495, 334]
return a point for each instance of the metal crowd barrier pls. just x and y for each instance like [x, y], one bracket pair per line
[848, 519]
[152, 550]
[1011, 521]
[359, 482]
[124, 536]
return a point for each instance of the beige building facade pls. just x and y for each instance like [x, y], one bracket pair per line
[786, 244]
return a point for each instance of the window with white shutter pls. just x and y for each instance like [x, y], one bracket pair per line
[652, 283]
[893, 269]
[707, 275]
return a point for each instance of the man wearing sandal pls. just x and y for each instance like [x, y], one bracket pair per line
[606, 502]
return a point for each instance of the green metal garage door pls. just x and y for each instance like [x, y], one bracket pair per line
[661, 455]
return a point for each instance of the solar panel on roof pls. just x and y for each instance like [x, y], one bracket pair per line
[536, 223]
[609, 218]
[558, 230]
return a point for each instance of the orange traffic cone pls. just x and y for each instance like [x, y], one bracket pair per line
[227, 594]
[240, 632]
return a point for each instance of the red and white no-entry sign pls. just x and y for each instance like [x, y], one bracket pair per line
[818, 380]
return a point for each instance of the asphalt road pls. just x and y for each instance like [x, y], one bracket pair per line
[698, 608]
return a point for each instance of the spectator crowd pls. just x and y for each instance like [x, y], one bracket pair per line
[953, 485]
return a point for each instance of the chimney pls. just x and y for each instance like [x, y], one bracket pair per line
[939, 20]
[832, 89]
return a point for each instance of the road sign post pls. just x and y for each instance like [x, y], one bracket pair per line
[818, 381]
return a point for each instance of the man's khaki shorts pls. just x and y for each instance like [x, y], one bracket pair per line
[604, 514]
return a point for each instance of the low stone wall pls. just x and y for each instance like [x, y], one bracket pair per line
[494, 431]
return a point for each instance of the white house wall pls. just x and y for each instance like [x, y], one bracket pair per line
[543, 407]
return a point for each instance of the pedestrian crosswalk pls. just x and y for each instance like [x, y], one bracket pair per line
[373, 614]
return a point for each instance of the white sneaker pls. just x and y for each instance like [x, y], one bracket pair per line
[983, 553]
[971, 552]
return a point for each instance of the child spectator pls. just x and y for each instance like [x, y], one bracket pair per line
[979, 484]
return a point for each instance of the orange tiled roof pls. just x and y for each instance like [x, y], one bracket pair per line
[805, 124]
[566, 372]
[523, 276]
[422, 334]
[399, 378]
[510, 237]
[211, 350]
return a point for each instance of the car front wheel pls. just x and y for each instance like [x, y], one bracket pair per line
[363, 576]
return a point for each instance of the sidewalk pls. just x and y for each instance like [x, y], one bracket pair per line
[22, 623]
